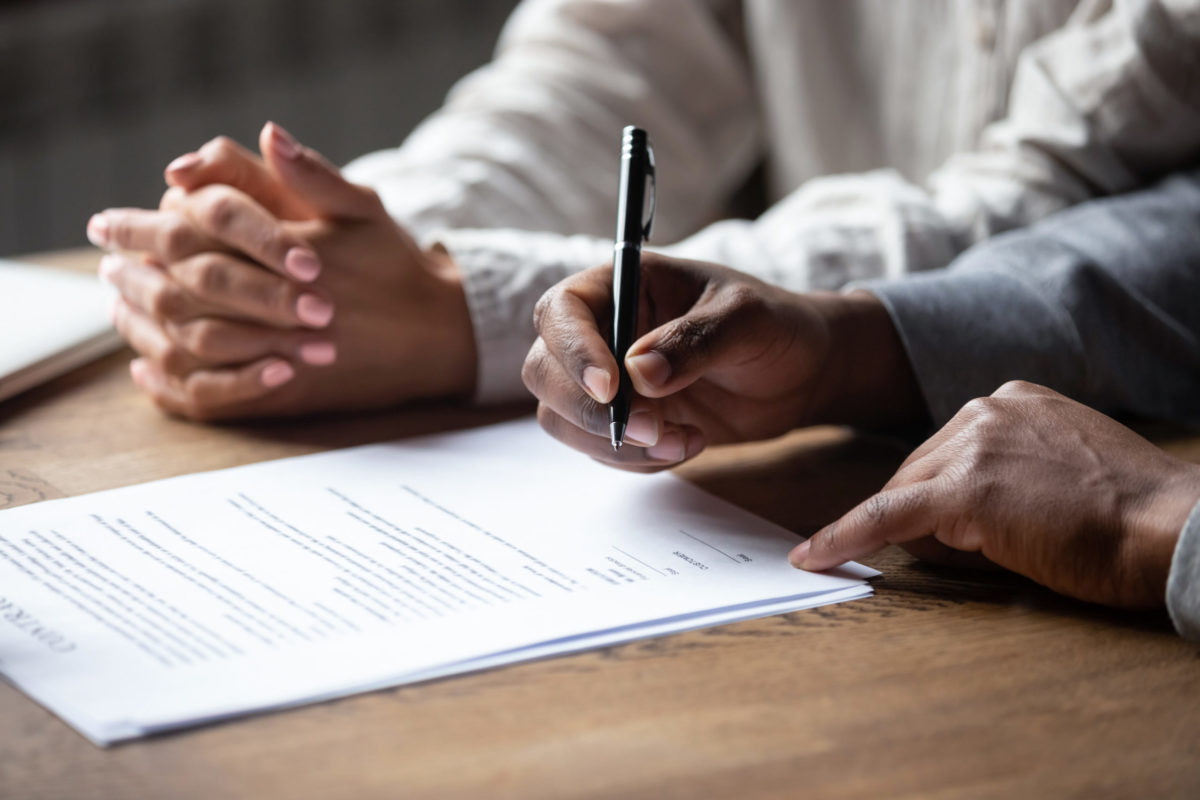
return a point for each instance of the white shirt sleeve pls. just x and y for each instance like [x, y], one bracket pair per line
[530, 142]
[527, 143]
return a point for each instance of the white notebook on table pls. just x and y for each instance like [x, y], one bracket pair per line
[51, 321]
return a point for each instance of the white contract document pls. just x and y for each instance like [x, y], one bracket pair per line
[213, 595]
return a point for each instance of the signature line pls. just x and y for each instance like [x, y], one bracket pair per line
[706, 544]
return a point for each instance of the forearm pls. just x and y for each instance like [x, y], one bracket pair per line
[530, 141]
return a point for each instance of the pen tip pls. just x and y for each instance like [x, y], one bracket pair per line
[617, 431]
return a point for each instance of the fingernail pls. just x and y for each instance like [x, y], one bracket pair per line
[114, 311]
[184, 162]
[97, 230]
[670, 447]
[314, 311]
[276, 373]
[799, 555]
[137, 371]
[653, 368]
[318, 353]
[302, 263]
[108, 268]
[695, 443]
[642, 429]
[284, 144]
[597, 383]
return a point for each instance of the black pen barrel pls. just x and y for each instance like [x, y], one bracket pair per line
[627, 269]
[636, 167]
[631, 196]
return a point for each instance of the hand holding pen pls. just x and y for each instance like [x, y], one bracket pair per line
[722, 356]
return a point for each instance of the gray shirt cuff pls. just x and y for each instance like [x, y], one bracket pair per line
[1183, 583]
[967, 332]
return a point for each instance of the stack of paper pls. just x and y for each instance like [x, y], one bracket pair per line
[212, 595]
[51, 321]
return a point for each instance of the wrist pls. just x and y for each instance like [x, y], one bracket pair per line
[869, 380]
[451, 347]
[1155, 522]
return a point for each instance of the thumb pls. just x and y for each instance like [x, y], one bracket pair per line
[314, 180]
[727, 329]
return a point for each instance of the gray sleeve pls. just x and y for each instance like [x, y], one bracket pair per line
[1183, 584]
[1101, 303]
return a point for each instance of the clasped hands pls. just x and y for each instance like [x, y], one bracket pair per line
[268, 286]
[231, 291]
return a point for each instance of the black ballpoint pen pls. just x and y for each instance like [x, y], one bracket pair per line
[637, 168]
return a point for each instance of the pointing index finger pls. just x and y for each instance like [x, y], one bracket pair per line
[892, 516]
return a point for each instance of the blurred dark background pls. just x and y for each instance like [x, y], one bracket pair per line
[96, 96]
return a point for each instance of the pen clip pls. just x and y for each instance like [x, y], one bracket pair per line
[653, 191]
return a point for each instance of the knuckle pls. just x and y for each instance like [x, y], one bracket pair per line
[978, 410]
[166, 301]
[743, 300]
[220, 210]
[280, 298]
[876, 508]
[690, 335]
[174, 359]
[1017, 388]
[830, 539]
[118, 228]
[174, 239]
[271, 240]
[195, 398]
[202, 338]
[533, 371]
[172, 199]
[544, 307]
[219, 147]
[208, 276]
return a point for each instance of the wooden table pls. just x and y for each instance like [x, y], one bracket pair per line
[943, 685]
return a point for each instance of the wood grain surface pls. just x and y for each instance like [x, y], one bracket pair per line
[943, 685]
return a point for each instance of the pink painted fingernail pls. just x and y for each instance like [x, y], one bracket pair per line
[670, 447]
[184, 162]
[97, 230]
[285, 145]
[302, 263]
[314, 311]
[642, 429]
[318, 353]
[597, 382]
[108, 268]
[799, 554]
[276, 373]
[653, 367]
